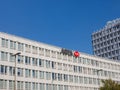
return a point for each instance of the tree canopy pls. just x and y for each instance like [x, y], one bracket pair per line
[110, 85]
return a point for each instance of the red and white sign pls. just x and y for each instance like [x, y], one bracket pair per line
[76, 54]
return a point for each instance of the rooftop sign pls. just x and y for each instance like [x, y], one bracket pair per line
[70, 53]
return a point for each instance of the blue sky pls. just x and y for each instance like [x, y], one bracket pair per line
[63, 23]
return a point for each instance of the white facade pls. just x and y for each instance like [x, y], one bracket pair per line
[44, 67]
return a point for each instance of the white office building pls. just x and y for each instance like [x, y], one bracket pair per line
[29, 65]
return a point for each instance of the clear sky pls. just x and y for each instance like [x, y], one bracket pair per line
[63, 23]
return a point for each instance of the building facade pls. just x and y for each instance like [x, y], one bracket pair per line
[40, 66]
[106, 41]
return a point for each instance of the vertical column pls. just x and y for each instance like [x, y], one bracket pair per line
[31, 86]
[38, 62]
[30, 48]
[7, 84]
[38, 86]
[23, 85]
[50, 54]
[8, 43]
[31, 74]
[0, 42]
[24, 72]
[24, 47]
[16, 45]
[0, 56]
[31, 61]
[45, 86]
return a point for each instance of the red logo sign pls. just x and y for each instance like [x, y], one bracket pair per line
[76, 54]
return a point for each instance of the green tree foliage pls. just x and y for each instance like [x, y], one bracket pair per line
[110, 85]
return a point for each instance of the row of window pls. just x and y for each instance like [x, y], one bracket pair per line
[5, 56]
[107, 53]
[114, 30]
[106, 48]
[30, 73]
[113, 36]
[29, 48]
[4, 84]
[107, 44]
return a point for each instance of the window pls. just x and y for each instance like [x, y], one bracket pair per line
[65, 77]
[41, 74]
[11, 85]
[65, 87]
[4, 43]
[80, 79]
[53, 53]
[34, 73]
[70, 78]
[28, 86]
[20, 59]
[34, 61]
[90, 80]
[94, 81]
[11, 71]
[3, 69]
[20, 72]
[59, 66]
[75, 59]
[76, 79]
[75, 68]
[34, 50]
[85, 80]
[84, 60]
[79, 59]
[70, 68]
[64, 57]
[41, 51]
[89, 71]
[27, 48]
[47, 64]
[20, 46]
[12, 58]
[48, 87]
[80, 69]
[34, 86]
[12, 45]
[54, 87]
[65, 67]
[27, 72]
[70, 58]
[4, 56]
[48, 75]
[3, 84]
[53, 65]
[27, 60]
[19, 85]
[59, 55]
[59, 77]
[42, 86]
[54, 76]
[60, 87]
[47, 53]
[41, 62]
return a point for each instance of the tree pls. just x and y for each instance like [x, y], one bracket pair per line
[110, 85]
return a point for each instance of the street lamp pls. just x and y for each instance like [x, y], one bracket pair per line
[99, 70]
[16, 54]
